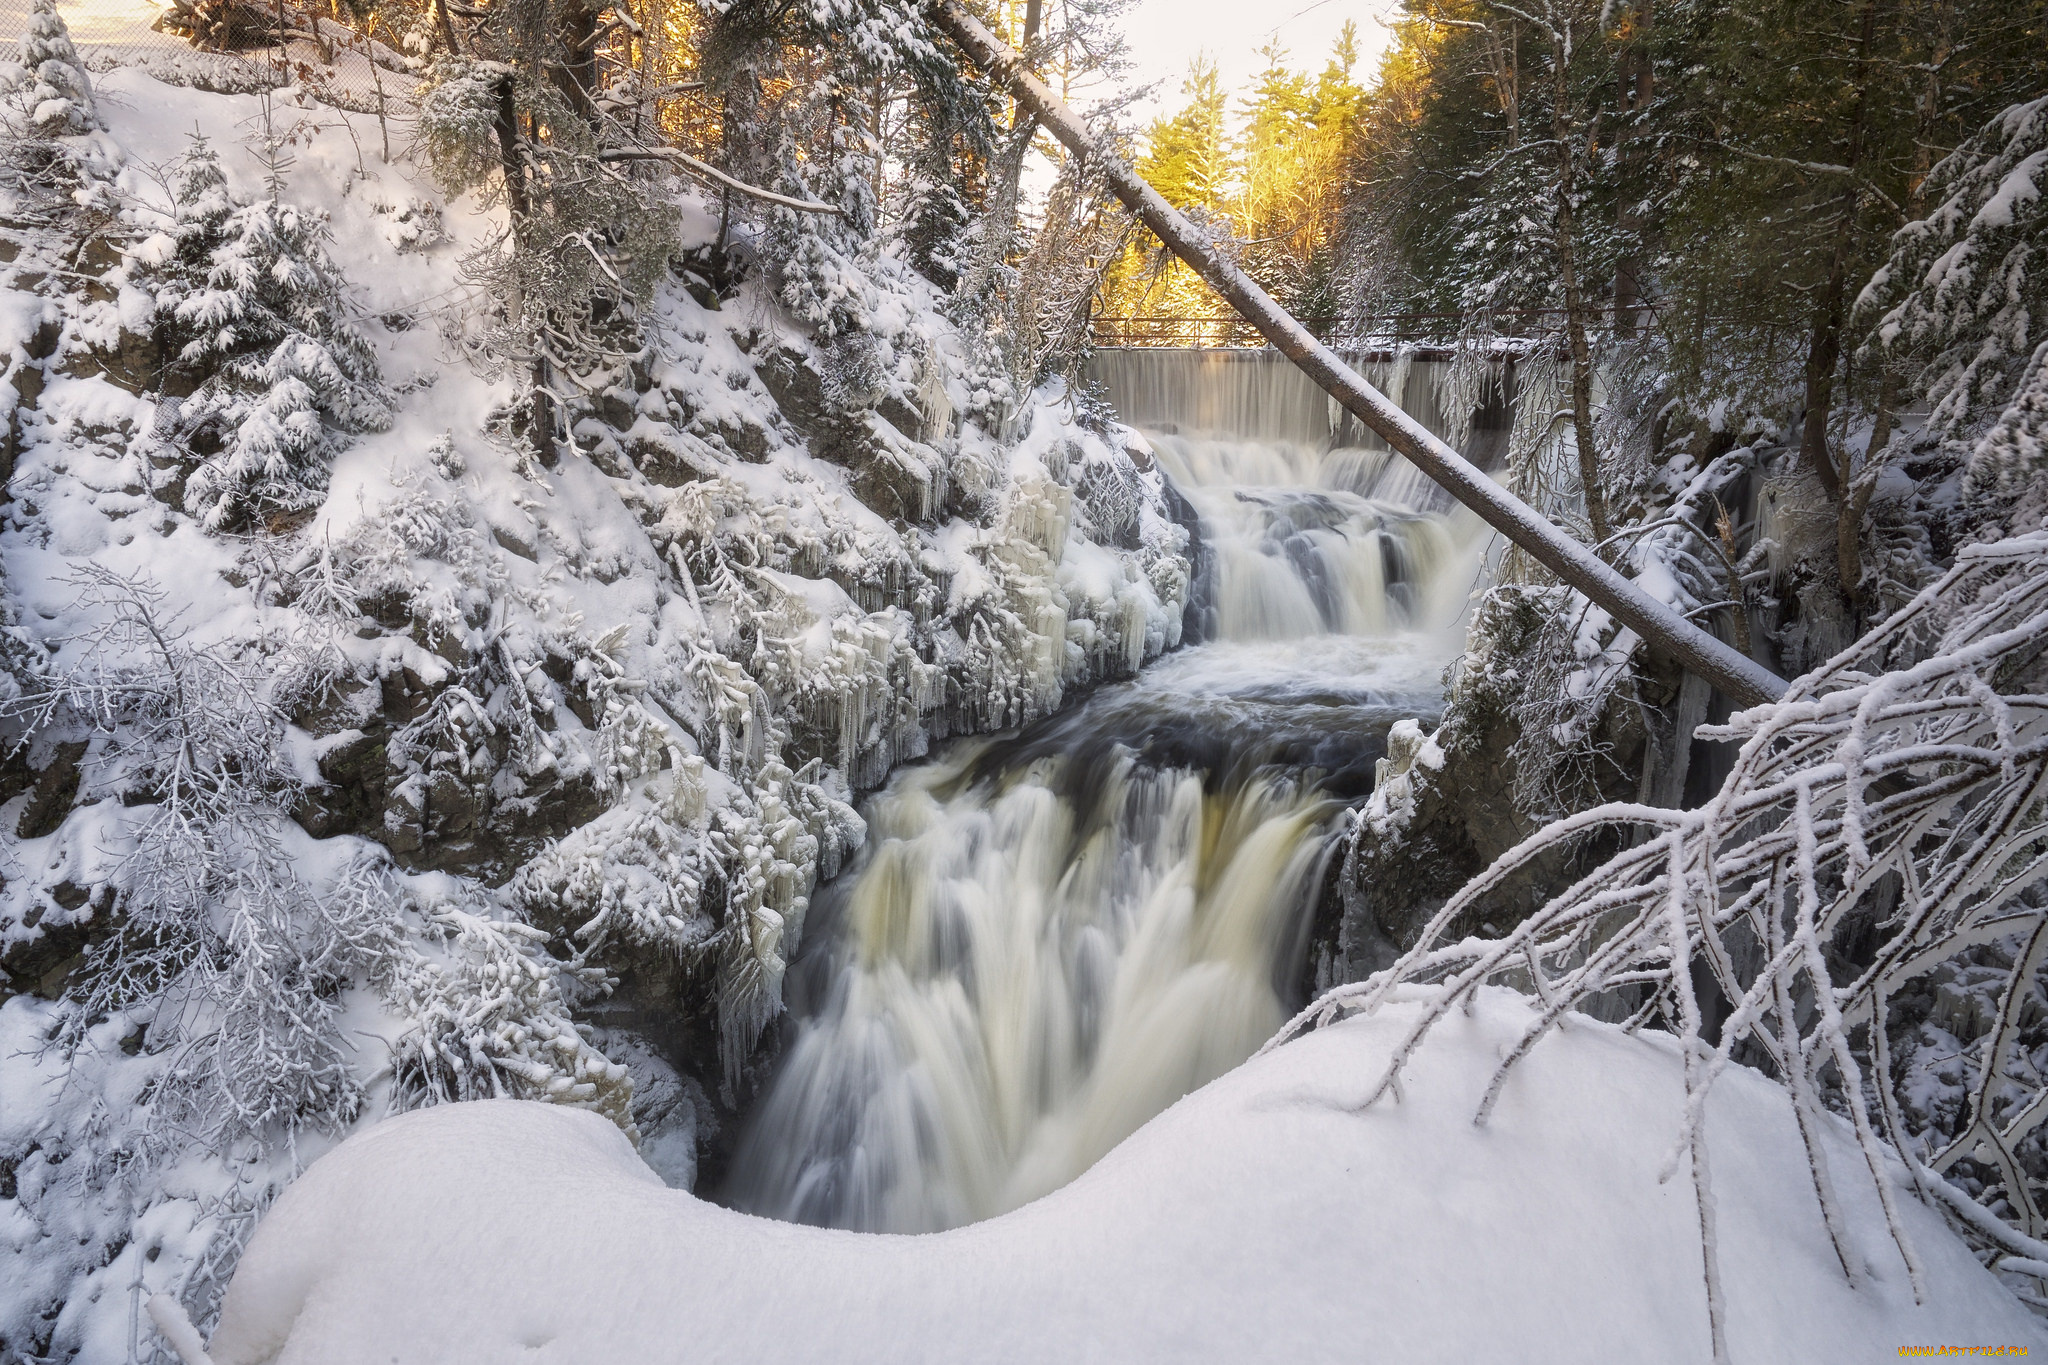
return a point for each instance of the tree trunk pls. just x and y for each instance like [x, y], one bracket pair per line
[1927, 108]
[1824, 352]
[447, 26]
[1638, 88]
[1564, 223]
[1662, 628]
[513, 164]
[575, 75]
[1855, 502]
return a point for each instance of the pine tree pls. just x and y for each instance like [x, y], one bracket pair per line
[1965, 291]
[1336, 108]
[252, 314]
[1188, 159]
[1524, 234]
[945, 186]
[60, 93]
[1964, 301]
[584, 241]
[52, 126]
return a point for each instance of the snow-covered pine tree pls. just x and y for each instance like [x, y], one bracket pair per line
[48, 112]
[252, 314]
[1027, 293]
[537, 108]
[814, 137]
[1964, 298]
[943, 185]
[61, 101]
[802, 89]
[1529, 232]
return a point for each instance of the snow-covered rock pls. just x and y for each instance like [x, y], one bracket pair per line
[549, 732]
[1261, 1218]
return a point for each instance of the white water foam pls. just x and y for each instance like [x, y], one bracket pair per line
[1057, 935]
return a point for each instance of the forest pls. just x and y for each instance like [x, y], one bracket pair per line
[1400, 708]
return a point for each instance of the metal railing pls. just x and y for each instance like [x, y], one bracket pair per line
[1366, 332]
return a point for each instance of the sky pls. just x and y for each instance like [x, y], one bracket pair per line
[1166, 34]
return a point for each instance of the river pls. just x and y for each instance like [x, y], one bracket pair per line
[1056, 934]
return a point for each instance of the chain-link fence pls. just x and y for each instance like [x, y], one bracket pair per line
[258, 46]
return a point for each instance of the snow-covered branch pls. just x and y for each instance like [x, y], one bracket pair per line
[1882, 820]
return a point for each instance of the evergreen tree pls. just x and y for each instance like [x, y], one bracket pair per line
[1274, 208]
[59, 91]
[945, 185]
[1188, 159]
[586, 237]
[1964, 291]
[1337, 102]
[252, 315]
[1963, 301]
[1516, 233]
[53, 127]
[1188, 154]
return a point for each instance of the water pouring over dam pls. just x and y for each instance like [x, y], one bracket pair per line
[1261, 396]
[1056, 934]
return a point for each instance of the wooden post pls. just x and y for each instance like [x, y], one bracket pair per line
[1663, 629]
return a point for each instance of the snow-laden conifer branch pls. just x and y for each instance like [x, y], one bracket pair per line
[1890, 814]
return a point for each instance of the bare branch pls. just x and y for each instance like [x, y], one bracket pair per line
[711, 172]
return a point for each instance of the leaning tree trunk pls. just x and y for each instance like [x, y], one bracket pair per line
[1662, 628]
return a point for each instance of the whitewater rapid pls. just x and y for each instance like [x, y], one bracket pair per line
[1057, 934]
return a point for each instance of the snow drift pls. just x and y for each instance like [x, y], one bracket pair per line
[1262, 1218]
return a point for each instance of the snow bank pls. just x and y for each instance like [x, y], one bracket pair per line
[1259, 1219]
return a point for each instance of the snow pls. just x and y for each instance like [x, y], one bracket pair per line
[989, 614]
[1261, 1218]
[94, 22]
[2018, 186]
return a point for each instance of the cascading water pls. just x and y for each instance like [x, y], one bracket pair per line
[1058, 934]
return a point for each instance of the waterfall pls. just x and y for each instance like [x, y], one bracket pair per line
[1260, 395]
[1309, 543]
[1056, 934]
[1029, 975]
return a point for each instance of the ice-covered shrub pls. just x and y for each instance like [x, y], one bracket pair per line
[1885, 820]
[721, 883]
[236, 960]
[488, 1014]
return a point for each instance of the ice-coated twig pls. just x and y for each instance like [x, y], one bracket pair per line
[1898, 793]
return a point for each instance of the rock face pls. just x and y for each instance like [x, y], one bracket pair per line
[1492, 783]
[1447, 804]
[438, 820]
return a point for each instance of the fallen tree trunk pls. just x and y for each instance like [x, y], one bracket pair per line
[1663, 629]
